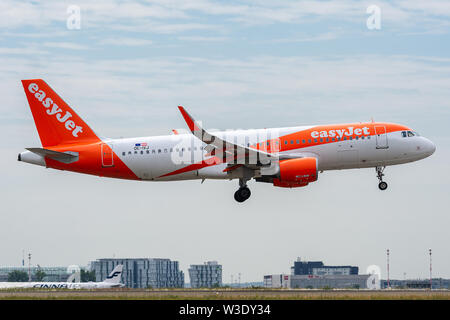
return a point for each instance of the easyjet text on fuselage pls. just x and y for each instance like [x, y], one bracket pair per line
[349, 131]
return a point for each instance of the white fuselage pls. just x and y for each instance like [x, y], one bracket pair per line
[58, 285]
[165, 154]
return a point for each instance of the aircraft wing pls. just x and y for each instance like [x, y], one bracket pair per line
[228, 150]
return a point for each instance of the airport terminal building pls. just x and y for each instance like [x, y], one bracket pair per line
[207, 275]
[142, 272]
[329, 281]
[316, 275]
[317, 268]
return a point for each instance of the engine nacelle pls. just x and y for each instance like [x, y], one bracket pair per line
[297, 172]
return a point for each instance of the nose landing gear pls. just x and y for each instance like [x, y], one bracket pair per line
[243, 193]
[382, 185]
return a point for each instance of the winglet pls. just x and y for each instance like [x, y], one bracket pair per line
[189, 120]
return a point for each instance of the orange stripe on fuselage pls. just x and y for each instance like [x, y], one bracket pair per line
[90, 161]
[278, 144]
[195, 166]
[318, 135]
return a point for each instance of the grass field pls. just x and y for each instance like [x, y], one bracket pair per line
[223, 294]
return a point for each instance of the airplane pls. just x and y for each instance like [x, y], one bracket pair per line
[111, 281]
[286, 157]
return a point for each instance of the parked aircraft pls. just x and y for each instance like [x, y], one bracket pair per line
[111, 281]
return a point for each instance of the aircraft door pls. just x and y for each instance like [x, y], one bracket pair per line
[381, 136]
[107, 155]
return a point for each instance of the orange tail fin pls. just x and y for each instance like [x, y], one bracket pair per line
[55, 121]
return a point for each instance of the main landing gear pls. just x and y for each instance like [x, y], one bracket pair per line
[243, 193]
[382, 185]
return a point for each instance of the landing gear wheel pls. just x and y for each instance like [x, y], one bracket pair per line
[242, 194]
[382, 185]
[237, 197]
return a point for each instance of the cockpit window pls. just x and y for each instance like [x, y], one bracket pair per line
[409, 134]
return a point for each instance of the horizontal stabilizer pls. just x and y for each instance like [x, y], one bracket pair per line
[65, 157]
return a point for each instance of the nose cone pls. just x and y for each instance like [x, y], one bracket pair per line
[430, 147]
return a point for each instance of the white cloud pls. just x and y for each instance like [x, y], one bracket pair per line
[166, 16]
[313, 38]
[14, 14]
[122, 41]
[22, 51]
[203, 39]
[65, 45]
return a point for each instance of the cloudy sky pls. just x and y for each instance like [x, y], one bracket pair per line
[234, 64]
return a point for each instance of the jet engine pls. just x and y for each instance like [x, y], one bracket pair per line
[296, 172]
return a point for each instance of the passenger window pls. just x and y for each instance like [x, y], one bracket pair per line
[362, 137]
[328, 139]
[153, 151]
[285, 142]
[333, 139]
[404, 134]
[298, 141]
[309, 140]
[303, 141]
[142, 152]
[351, 138]
[321, 139]
[315, 140]
[357, 138]
[159, 150]
[148, 151]
[123, 153]
[345, 138]
[129, 152]
[135, 152]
